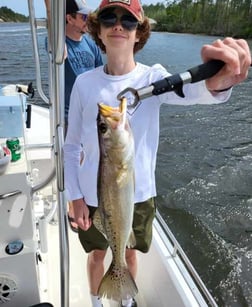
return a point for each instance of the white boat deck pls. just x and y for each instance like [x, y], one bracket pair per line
[155, 284]
[159, 280]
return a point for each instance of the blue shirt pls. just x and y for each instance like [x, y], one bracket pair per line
[82, 56]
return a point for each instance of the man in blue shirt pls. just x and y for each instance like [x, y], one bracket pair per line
[81, 54]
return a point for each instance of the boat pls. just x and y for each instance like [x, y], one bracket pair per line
[41, 260]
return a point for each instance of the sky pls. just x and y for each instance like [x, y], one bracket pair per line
[21, 6]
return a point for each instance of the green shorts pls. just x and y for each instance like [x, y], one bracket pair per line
[144, 214]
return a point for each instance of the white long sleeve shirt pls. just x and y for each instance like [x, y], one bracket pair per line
[96, 86]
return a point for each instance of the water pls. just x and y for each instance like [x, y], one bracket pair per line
[204, 167]
[16, 55]
[204, 176]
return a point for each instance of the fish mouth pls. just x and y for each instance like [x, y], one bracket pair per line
[108, 111]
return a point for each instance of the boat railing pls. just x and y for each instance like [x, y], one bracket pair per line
[34, 23]
[178, 251]
[56, 39]
[33, 27]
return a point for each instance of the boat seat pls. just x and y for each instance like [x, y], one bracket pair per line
[17, 240]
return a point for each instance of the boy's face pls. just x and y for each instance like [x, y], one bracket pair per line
[120, 30]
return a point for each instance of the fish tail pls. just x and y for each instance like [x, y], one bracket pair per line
[117, 284]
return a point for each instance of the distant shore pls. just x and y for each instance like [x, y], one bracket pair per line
[7, 15]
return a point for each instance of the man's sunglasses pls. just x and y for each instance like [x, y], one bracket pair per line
[84, 17]
[128, 22]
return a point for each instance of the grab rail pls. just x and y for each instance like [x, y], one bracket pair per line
[60, 32]
[56, 107]
[39, 88]
[10, 194]
[57, 32]
[35, 51]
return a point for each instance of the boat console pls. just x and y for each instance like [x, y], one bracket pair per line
[19, 236]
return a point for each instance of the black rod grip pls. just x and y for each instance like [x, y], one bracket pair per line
[168, 84]
[206, 70]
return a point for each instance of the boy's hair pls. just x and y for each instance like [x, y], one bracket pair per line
[142, 32]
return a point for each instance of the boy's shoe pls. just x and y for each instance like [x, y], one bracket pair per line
[133, 304]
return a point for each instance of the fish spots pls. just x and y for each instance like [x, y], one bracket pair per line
[118, 274]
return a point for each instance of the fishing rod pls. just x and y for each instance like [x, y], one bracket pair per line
[173, 83]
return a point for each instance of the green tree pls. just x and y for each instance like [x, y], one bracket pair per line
[212, 17]
[7, 14]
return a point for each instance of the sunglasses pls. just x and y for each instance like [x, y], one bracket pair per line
[84, 17]
[128, 22]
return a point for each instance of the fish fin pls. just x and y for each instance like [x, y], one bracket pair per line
[117, 284]
[132, 240]
[98, 222]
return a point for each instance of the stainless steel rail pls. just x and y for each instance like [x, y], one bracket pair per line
[10, 194]
[41, 185]
[33, 27]
[35, 51]
[56, 43]
[60, 32]
[57, 36]
[177, 250]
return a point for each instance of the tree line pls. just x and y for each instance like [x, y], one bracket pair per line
[211, 17]
[7, 14]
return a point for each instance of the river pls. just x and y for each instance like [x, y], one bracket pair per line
[204, 166]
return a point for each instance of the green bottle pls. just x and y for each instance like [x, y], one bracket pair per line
[15, 148]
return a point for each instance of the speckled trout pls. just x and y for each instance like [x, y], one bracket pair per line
[114, 215]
